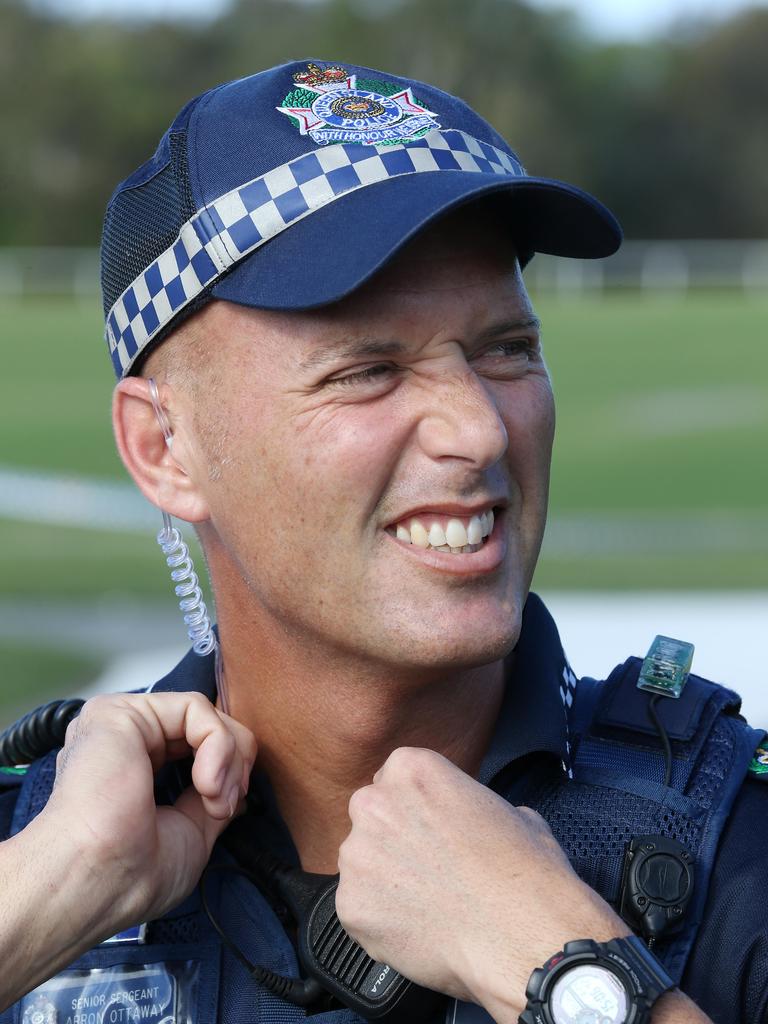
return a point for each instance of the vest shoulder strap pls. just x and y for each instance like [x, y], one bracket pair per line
[617, 789]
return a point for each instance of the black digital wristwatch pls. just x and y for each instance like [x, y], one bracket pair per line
[589, 982]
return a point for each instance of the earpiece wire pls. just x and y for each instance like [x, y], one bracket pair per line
[185, 579]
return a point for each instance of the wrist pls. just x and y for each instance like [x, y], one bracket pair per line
[84, 889]
[53, 910]
[498, 980]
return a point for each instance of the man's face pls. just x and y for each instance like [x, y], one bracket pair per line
[402, 416]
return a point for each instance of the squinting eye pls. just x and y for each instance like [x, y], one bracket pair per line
[508, 357]
[371, 374]
[513, 348]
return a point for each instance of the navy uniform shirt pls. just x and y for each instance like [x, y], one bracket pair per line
[727, 974]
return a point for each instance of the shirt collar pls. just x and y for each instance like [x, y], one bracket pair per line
[534, 711]
[533, 718]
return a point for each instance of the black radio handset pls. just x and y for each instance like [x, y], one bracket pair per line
[341, 965]
[334, 963]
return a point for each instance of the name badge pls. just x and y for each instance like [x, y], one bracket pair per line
[124, 994]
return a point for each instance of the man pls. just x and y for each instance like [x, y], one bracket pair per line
[328, 363]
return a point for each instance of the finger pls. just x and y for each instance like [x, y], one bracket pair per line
[165, 727]
[190, 718]
[222, 768]
[184, 850]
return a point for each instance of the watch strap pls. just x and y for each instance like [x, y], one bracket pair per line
[654, 980]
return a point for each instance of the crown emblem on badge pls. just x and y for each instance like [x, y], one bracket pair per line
[330, 105]
[315, 75]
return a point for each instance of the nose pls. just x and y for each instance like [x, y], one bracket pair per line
[463, 421]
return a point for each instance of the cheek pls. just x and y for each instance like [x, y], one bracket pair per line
[530, 421]
[294, 495]
[349, 454]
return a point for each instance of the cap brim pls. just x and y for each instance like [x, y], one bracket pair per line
[327, 255]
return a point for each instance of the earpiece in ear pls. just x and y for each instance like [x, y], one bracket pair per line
[179, 561]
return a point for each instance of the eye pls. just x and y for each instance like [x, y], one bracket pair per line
[508, 359]
[368, 376]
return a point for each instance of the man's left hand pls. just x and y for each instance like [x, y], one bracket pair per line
[457, 889]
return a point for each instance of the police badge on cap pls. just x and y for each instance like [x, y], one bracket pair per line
[330, 105]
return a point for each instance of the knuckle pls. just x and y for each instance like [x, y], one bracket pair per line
[71, 731]
[92, 708]
[199, 703]
[360, 802]
[229, 744]
[343, 855]
[407, 760]
[536, 823]
[415, 766]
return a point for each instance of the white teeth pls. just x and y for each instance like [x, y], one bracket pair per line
[486, 521]
[437, 536]
[455, 534]
[455, 538]
[419, 535]
[474, 530]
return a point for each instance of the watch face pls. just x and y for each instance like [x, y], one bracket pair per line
[588, 994]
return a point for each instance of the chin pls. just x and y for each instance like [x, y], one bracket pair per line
[444, 650]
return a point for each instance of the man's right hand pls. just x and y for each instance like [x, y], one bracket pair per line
[101, 855]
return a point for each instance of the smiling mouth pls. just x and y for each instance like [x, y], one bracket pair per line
[456, 535]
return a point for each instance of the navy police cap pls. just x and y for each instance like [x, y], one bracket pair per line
[289, 188]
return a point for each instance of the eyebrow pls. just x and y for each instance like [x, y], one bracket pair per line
[352, 350]
[507, 326]
[381, 347]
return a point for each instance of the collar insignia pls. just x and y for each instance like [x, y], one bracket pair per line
[331, 106]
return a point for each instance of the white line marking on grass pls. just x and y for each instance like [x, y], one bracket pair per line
[684, 411]
[38, 497]
[599, 535]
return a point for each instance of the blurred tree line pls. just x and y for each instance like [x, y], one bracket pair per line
[670, 133]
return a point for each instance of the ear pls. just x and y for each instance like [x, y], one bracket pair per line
[168, 476]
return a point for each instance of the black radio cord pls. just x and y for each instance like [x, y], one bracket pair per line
[663, 736]
[299, 991]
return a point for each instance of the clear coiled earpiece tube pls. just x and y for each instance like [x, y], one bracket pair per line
[187, 587]
[185, 579]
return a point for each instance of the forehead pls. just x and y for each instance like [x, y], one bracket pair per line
[454, 271]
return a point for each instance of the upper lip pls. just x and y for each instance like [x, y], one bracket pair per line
[451, 508]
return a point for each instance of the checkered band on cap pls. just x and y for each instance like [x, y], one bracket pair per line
[225, 231]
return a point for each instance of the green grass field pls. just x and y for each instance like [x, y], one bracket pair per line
[659, 476]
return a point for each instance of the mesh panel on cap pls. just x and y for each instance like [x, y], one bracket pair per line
[143, 221]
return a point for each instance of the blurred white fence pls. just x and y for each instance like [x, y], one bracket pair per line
[658, 266]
